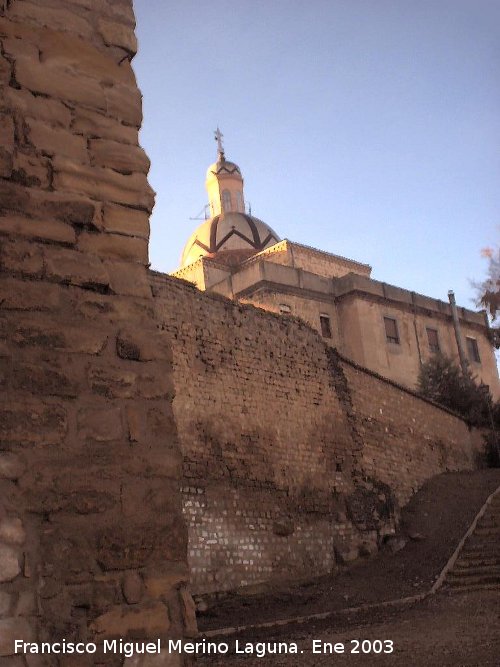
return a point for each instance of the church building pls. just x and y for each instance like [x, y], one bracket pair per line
[381, 327]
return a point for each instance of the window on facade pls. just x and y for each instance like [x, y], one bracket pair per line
[326, 328]
[285, 308]
[226, 200]
[473, 350]
[432, 337]
[391, 330]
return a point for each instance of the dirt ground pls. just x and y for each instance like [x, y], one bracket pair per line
[459, 630]
[432, 523]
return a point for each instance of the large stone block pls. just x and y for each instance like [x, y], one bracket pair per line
[32, 422]
[31, 170]
[114, 245]
[104, 184]
[100, 424]
[38, 333]
[129, 279]
[21, 257]
[11, 465]
[46, 379]
[41, 108]
[143, 345]
[59, 82]
[12, 531]
[117, 34]
[119, 156]
[126, 220]
[57, 141]
[44, 230]
[96, 125]
[52, 17]
[112, 382]
[145, 620]
[75, 268]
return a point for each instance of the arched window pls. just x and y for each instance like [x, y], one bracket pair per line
[226, 200]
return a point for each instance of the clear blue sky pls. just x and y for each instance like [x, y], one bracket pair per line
[366, 128]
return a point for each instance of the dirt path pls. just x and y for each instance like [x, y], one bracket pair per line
[436, 518]
[443, 631]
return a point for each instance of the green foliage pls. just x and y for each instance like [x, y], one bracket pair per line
[442, 381]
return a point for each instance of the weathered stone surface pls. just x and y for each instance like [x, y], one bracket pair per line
[47, 230]
[46, 379]
[143, 346]
[7, 132]
[21, 257]
[118, 156]
[60, 83]
[96, 125]
[126, 220]
[11, 465]
[159, 583]
[114, 245]
[112, 382]
[32, 422]
[41, 108]
[12, 629]
[152, 619]
[125, 104]
[188, 608]
[128, 279]
[25, 605]
[106, 184]
[100, 424]
[22, 295]
[52, 17]
[12, 531]
[37, 333]
[75, 268]
[57, 141]
[9, 565]
[133, 587]
[118, 34]
[5, 602]
[31, 170]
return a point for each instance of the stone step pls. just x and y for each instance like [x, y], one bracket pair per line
[465, 561]
[487, 532]
[471, 588]
[473, 580]
[473, 571]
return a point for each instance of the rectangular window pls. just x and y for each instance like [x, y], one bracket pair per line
[432, 337]
[391, 330]
[473, 350]
[326, 329]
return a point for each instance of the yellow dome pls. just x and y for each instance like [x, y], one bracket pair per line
[231, 231]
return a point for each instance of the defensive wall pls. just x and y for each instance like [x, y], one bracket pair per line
[295, 459]
[92, 540]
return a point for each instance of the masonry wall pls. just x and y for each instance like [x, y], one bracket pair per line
[406, 440]
[290, 465]
[92, 540]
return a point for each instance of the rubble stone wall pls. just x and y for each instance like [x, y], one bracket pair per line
[92, 540]
[294, 459]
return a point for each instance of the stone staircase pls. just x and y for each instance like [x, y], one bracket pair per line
[478, 563]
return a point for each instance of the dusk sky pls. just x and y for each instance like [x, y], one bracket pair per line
[366, 128]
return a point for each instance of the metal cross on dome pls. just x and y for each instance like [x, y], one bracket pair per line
[218, 138]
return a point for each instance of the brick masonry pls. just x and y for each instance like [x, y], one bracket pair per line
[92, 539]
[294, 458]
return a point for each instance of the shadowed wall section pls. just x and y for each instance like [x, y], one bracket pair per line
[294, 459]
[92, 541]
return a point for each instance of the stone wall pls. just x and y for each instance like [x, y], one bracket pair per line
[294, 459]
[92, 540]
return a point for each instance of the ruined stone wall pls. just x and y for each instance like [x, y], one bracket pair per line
[284, 474]
[92, 541]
